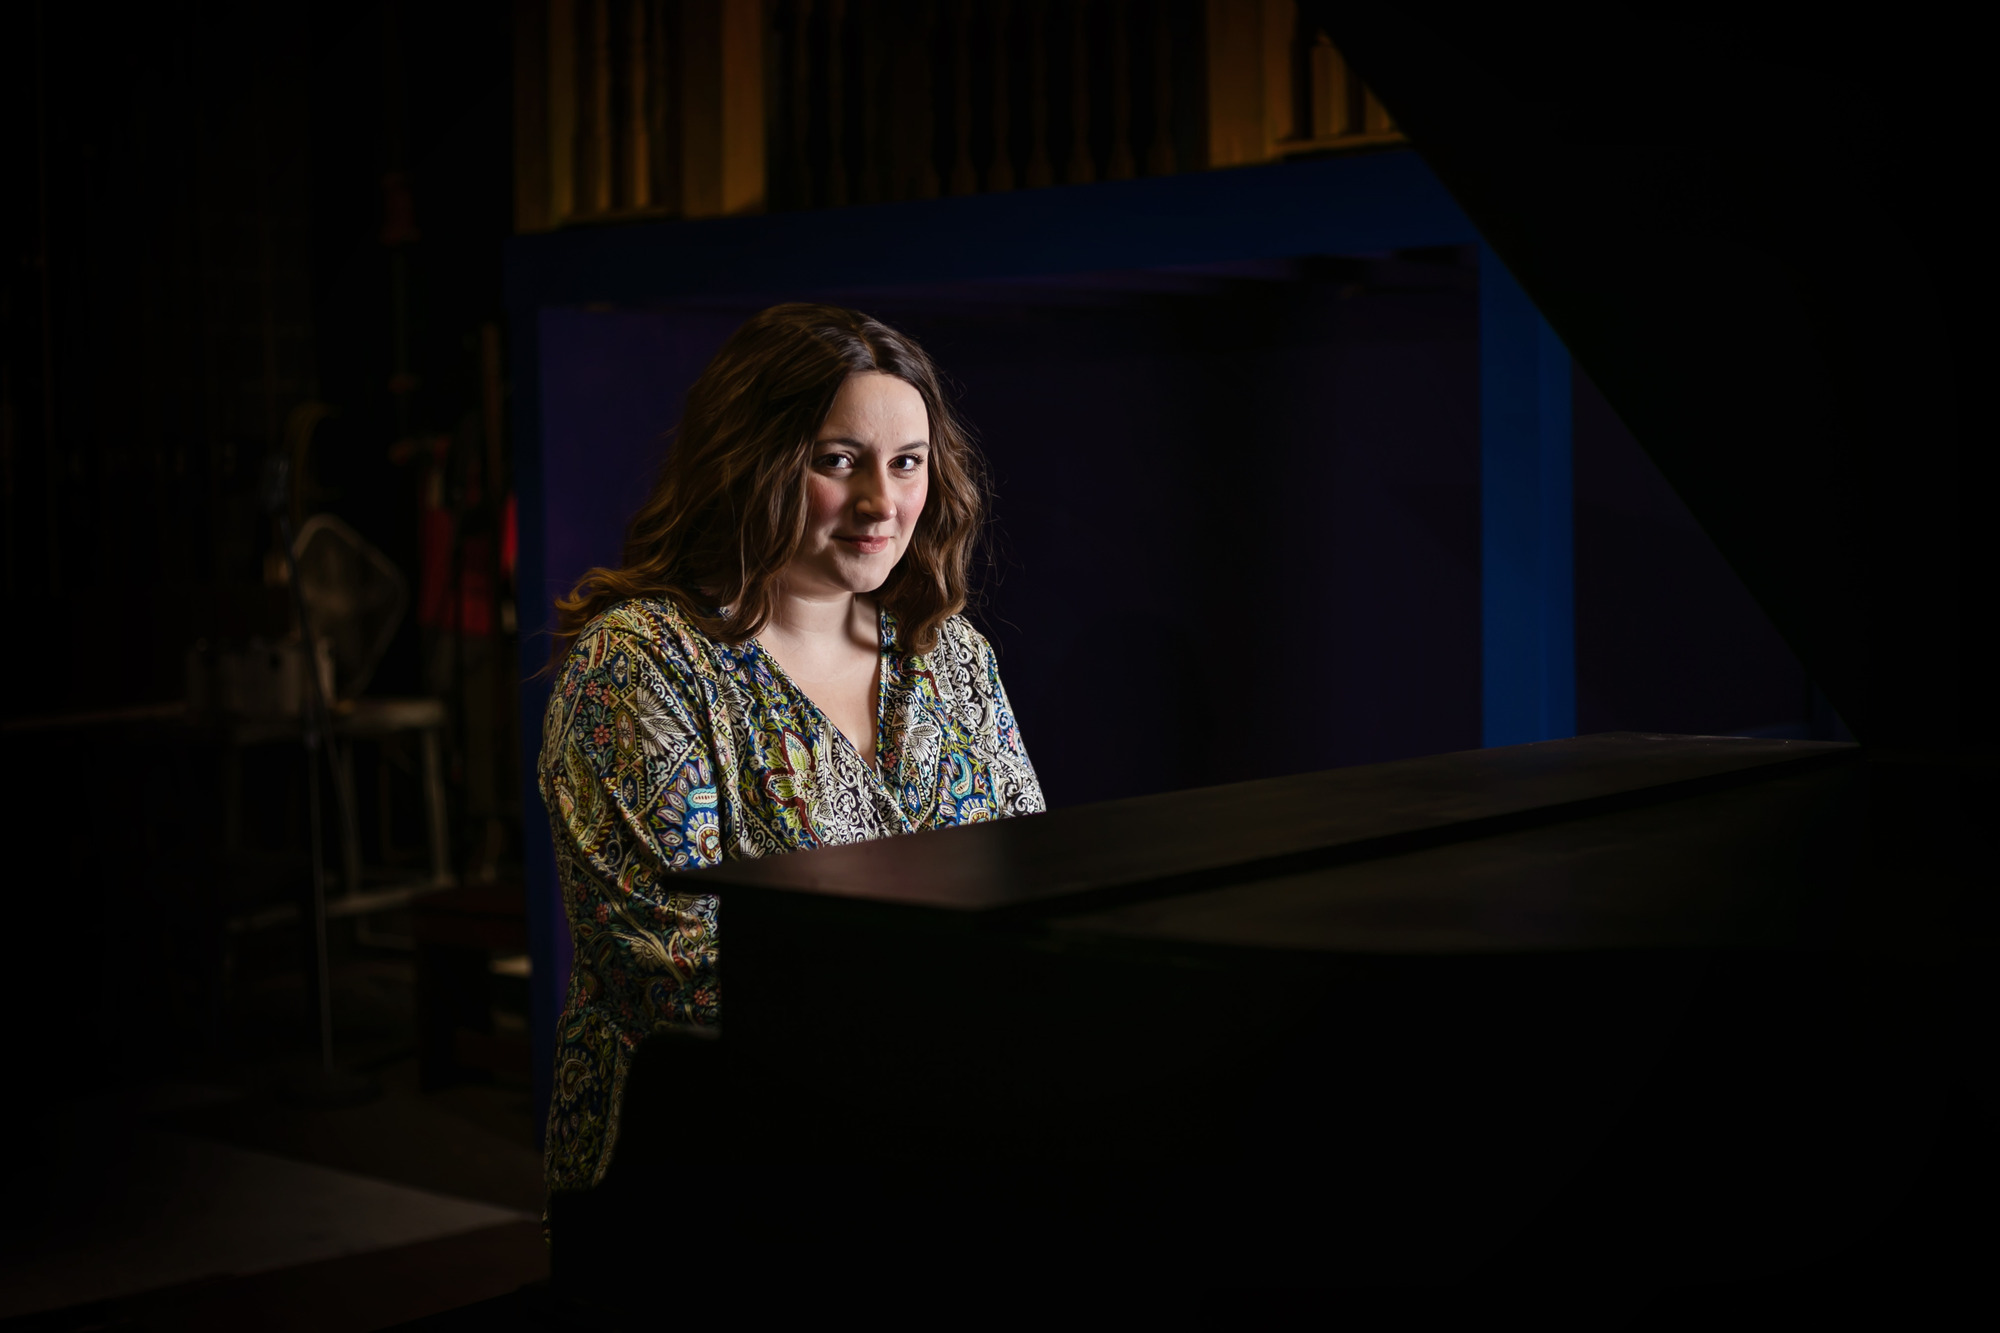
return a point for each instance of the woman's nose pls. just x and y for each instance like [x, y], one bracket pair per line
[873, 498]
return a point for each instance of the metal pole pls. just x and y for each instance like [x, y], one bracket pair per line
[316, 720]
[322, 970]
[331, 1087]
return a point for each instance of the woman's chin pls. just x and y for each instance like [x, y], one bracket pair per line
[856, 574]
[863, 584]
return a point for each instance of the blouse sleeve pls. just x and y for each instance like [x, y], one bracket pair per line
[1016, 788]
[628, 779]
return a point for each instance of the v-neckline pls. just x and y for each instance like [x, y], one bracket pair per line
[881, 692]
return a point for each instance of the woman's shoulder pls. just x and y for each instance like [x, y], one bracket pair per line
[963, 663]
[652, 628]
[961, 637]
[966, 672]
[636, 667]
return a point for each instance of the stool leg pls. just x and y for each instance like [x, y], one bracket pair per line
[350, 824]
[435, 808]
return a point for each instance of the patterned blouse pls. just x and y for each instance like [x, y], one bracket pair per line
[663, 750]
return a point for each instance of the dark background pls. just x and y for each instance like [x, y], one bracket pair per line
[1756, 238]
[1766, 248]
[1766, 244]
[199, 238]
[203, 230]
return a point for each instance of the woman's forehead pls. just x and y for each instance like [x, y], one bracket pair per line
[876, 408]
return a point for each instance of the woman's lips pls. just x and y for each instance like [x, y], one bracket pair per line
[865, 545]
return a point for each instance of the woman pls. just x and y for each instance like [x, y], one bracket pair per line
[780, 664]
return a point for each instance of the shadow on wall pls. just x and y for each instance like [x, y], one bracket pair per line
[1236, 527]
[1667, 637]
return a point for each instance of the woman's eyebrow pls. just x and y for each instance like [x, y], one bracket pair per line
[857, 444]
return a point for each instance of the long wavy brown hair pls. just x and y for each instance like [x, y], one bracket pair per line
[727, 513]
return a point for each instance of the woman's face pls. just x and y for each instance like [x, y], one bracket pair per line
[867, 477]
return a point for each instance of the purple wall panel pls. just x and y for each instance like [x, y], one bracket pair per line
[612, 384]
[1236, 527]
[1236, 561]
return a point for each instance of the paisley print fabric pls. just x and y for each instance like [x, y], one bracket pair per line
[663, 750]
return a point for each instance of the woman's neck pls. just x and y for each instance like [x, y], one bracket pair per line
[830, 648]
[817, 625]
[808, 616]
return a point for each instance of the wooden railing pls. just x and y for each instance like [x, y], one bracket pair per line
[1277, 88]
[637, 108]
[702, 108]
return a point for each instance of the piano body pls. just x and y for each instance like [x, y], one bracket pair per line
[1631, 1002]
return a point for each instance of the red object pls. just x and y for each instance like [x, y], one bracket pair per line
[473, 568]
[475, 578]
[510, 539]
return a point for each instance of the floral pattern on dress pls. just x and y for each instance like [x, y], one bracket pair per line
[662, 751]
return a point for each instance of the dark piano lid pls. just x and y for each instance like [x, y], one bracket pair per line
[1118, 852]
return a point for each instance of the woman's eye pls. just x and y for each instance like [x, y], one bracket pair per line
[908, 463]
[834, 460]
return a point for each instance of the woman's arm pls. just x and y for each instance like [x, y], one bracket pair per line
[1016, 789]
[629, 780]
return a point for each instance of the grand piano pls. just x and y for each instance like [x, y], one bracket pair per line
[1647, 1010]
[1635, 1003]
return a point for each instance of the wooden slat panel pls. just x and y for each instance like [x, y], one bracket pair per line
[1081, 170]
[1277, 32]
[562, 110]
[722, 73]
[1375, 117]
[640, 92]
[875, 156]
[1235, 83]
[663, 95]
[964, 179]
[1119, 166]
[837, 192]
[1329, 97]
[798, 142]
[594, 147]
[656, 107]
[1040, 171]
[1000, 172]
[531, 115]
[1161, 157]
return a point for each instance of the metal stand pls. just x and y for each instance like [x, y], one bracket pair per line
[324, 1085]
